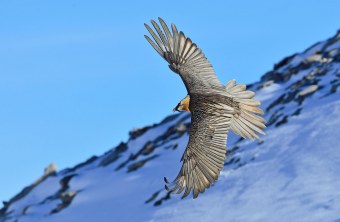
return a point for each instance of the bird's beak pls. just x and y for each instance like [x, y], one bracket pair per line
[176, 108]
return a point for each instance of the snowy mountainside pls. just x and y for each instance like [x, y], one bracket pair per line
[291, 174]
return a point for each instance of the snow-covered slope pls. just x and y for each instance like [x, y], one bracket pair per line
[292, 174]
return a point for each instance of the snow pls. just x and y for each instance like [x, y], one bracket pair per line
[335, 45]
[150, 135]
[267, 92]
[292, 178]
[37, 195]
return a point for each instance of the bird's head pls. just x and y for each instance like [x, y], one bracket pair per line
[183, 105]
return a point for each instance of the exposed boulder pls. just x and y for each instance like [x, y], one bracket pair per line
[66, 199]
[308, 90]
[113, 154]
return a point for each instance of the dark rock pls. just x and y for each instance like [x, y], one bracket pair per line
[272, 75]
[305, 81]
[87, 162]
[137, 132]
[139, 164]
[297, 112]
[274, 117]
[282, 121]
[334, 87]
[49, 171]
[284, 61]
[249, 86]
[171, 147]
[169, 118]
[140, 131]
[283, 99]
[114, 154]
[239, 140]
[4, 209]
[337, 57]
[232, 161]
[148, 148]
[260, 141]
[239, 165]
[123, 164]
[296, 69]
[24, 211]
[173, 132]
[66, 199]
[289, 97]
[267, 83]
[276, 102]
[160, 201]
[232, 150]
[153, 197]
[64, 182]
[334, 81]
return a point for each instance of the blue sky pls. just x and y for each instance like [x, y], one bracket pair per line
[76, 76]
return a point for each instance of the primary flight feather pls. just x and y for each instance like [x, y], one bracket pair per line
[215, 108]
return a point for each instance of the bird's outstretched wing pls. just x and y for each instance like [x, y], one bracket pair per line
[205, 153]
[184, 58]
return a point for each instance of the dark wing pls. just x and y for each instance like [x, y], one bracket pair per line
[204, 156]
[184, 58]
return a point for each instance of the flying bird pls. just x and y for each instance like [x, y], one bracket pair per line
[215, 108]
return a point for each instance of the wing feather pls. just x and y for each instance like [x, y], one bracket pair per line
[155, 37]
[184, 58]
[223, 107]
[154, 45]
[167, 33]
[160, 33]
[204, 156]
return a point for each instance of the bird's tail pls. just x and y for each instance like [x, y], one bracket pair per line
[246, 121]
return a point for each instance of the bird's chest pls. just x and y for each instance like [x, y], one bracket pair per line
[200, 103]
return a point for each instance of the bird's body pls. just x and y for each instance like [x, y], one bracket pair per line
[215, 109]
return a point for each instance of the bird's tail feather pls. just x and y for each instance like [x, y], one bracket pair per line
[246, 121]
